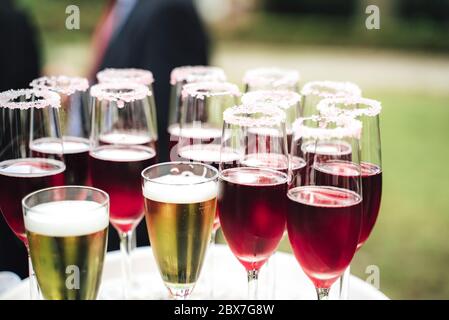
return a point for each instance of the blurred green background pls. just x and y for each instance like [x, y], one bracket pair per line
[405, 65]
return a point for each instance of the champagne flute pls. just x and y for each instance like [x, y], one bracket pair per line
[251, 199]
[27, 115]
[134, 75]
[325, 199]
[74, 126]
[67, 232]
[367, 111]
[271, 79]
[122, 145]
[180, 200]
[178, 78]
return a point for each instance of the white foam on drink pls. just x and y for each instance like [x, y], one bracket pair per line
[181, 189]
[31, 167]
[254, 176]
[118, 153]
[124, 138]
[67, 218]
[208, 153]
[51, 146]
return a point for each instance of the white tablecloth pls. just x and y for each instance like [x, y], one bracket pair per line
[229, 279]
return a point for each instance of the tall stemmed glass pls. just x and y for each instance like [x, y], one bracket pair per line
[26, 116]
[67, 231]
[178, 78]
[271, 79]
[314, 91]
[367, 111]
[251, 199]
[74, 126]
[180, 200]
[139, 76]
[325, 199]
[122, 145]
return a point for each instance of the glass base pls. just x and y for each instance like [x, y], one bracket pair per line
[180, 291]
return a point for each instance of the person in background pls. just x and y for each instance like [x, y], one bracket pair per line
[157, 35]
[19, 65]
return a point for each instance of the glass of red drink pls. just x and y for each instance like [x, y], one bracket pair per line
[325, 199]
[122, 145]
[271, 78]
[178, 78]
[75, 126]
[251, 199]
[26, 116]
[367, 111]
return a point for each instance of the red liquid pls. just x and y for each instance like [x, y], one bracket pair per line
[20, 177]
[323, 226]
[252, 207]
[343, 175]
[116, 170]
[76, 157]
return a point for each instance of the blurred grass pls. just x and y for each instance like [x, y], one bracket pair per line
[409, 242]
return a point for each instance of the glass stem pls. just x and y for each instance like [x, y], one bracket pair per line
[344, 284]
[253, 276]
[210, 275]
[323, 293]
[34, 286]
[126, 248]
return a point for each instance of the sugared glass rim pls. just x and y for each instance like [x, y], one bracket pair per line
[283, 99]
[341, 88]
[191, 74]
[258, 77]
[238, 115]
[346, 127]
[32, 194]
[48, 99]
[200, 90]
[172, 163]
[135, 91]
[135, 75]
[61, 84]
[329, 106]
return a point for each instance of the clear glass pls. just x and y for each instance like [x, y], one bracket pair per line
[139, 76]
[201, 126]
[67, 232]
[271, 79]
[325, 197]
[75, 125]
[180, 200]
[315, 91]
[252, 188]
[178, 78]
[122, 145]
[27, 116]
[367, 111]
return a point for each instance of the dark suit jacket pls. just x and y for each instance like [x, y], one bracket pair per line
[158, 35]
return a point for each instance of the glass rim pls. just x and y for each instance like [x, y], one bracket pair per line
[346, 127]
[283, 99]
[48, 99]
[152, 180]
[238, 115]
[192, 73]
[34, 193]
[204, 89]
[61, 84]
[341, 88]
[328, 106]
[104, 91]
[133, 75]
